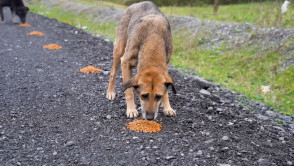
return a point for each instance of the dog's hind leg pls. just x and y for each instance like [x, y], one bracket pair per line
[118, 51]
[167, 110]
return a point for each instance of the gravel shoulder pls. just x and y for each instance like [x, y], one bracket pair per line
[51, 114]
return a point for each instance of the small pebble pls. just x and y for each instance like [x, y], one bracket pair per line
[225, 149]
[225, 138]
[209, 141]
[223, 164]
[199, 153]
[261, 117]
[263, 162]
[54, 153]
[205, 92]
[70, 143]
[169, 157]
[210, 108]
[271, 113]
[219, 110]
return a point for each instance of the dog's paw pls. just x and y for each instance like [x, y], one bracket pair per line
[132, 113]
[110, 95]
[169, 112]
[14, 20]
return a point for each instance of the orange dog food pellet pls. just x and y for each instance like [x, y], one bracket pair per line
[37, 33]
[145, 126]
[52, 47]
[25, 25]
[92, 69]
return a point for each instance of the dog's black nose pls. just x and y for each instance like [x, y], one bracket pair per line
[149, 116]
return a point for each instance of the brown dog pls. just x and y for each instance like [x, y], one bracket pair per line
[143, 40]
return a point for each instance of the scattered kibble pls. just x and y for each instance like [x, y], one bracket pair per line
[25, 25]
[92, 69]
[145, 126]
[52, 47]
[37, 33]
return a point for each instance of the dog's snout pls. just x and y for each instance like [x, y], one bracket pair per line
[149, 116]
[23, 20]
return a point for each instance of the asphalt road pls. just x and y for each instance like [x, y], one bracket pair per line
[51, 114]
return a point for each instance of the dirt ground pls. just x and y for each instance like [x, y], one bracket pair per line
[52, 114]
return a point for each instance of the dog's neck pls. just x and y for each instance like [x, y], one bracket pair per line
[153, 73]
[153, 54]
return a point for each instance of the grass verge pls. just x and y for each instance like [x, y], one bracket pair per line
[106, 29]
[265, 14]
[101, 3]
[243, 70]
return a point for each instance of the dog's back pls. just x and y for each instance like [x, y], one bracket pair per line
[143, 21]
[137, 12]
[11, 3]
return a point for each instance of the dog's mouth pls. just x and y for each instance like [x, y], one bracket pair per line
[23, 20]
[149, 116]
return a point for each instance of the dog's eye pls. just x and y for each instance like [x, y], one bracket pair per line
[158, 97]
[145, 96]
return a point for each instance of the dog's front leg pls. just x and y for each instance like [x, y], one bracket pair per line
[167, 110]
[127, 75]
[14, 19]
[1, 15]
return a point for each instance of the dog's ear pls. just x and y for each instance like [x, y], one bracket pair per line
[127, 85]
[170, 81]
[27, 9]
[131, 83]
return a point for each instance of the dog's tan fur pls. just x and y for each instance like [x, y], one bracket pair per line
[143, 40]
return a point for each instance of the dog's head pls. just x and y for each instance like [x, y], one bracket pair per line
[22, 13]
[150, 86]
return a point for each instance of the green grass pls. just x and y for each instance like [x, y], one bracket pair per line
[265, 14]
[100, 3]
[106, 29]
[243, 69]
